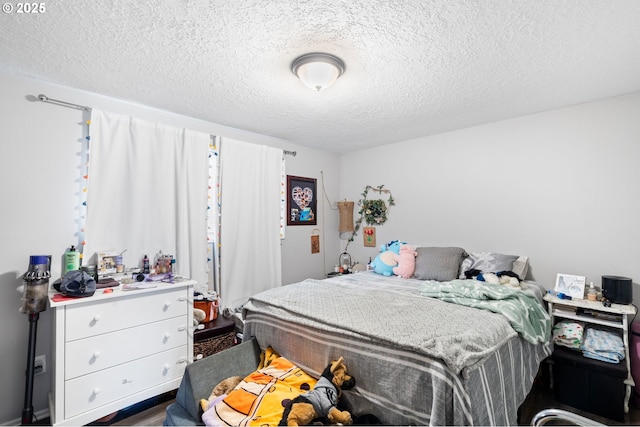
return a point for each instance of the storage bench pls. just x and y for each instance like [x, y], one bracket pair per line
[202, 376]
[588, 384]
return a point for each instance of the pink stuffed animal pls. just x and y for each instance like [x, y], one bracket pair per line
[406, 262]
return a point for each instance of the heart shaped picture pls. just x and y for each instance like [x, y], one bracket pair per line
[302, 196]
[301, 200]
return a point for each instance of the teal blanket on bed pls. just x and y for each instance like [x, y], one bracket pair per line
[526, 315]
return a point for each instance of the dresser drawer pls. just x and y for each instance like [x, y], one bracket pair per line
[91, 391]
[104, 351]
[100, 317]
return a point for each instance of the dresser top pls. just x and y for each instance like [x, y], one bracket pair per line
[57, 299]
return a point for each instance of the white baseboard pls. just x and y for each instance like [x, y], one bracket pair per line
[37, 415]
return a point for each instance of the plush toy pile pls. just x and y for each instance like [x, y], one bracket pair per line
[385, 261]
[399, 258]
[406, 260]
[259, 398]
[395, 258]
[280, 393]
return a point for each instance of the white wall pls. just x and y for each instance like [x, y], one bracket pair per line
[559, 186]
[40, 167]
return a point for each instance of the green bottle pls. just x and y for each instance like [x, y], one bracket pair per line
[71, 260]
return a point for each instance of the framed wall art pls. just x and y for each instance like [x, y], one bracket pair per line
[301, 201]
[369, 237]
[571, 285]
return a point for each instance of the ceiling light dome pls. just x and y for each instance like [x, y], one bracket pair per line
[317, 70]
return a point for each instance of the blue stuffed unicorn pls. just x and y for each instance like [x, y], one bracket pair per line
[385, 261]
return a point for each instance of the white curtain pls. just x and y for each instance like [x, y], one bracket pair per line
[147, 192]
[250, 252]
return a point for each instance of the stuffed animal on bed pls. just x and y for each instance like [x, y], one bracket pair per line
[406, 260]
[219, 391]
[385, 261]
[322, 400]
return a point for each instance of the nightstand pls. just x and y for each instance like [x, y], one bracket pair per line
[594, 312]
[213, 337]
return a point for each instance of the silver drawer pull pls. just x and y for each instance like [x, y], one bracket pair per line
[182, 360]
[96, 354]
[183, 328]
[167, 304]
[167, 335]
[96, 391]
[182, 299]
[96, 317]
[125, 381]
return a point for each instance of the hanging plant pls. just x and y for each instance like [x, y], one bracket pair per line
[373, 212]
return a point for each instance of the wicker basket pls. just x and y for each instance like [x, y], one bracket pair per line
[346, 217]
[214, 345]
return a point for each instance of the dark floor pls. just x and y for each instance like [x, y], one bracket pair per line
[541, 397]
[149, 412]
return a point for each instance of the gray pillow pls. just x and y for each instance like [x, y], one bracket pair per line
[442, 264]
[487, 262]
[521, 267]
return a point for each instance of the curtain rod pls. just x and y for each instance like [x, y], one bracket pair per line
[45, 98]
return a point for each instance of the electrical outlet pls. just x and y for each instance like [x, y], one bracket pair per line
[40, 364]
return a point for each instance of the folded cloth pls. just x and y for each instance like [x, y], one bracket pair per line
[603, 345]
[568, 334]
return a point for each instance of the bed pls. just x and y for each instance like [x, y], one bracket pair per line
[418, 358]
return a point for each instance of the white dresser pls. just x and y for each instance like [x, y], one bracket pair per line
[112, 350]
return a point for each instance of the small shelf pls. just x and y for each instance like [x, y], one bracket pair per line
[568, 309]
[586, 318]
[592, 305]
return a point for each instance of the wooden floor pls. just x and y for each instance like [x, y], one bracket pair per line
[153, 416]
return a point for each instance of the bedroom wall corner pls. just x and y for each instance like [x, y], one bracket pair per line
[298, 263]
[558, 186]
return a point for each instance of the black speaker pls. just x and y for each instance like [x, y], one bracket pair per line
[617, 289]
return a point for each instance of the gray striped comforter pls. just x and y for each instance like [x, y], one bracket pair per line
[416, 360]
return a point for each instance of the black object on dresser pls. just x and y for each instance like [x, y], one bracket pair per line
[588, 384]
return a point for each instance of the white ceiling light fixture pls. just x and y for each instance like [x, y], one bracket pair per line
[317, 70]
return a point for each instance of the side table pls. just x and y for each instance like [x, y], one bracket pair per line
[213, 336]
[614, 317]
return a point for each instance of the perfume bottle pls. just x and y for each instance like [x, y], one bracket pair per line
[592, 295]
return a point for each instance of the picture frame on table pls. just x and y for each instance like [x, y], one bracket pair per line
[107, 262]
[301, 201]
[571, 285]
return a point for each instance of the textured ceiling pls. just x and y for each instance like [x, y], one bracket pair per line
[413, 68]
